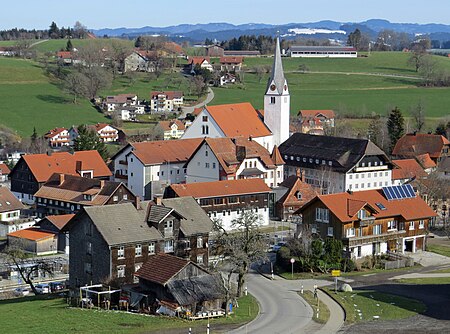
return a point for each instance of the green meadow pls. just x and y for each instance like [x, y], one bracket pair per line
[360, 86]
[29, 99]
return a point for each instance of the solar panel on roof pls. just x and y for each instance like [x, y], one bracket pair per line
[399, 192]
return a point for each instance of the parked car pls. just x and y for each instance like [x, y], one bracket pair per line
[56, 286]
[42, 288]
[276, 248]
[20, 292]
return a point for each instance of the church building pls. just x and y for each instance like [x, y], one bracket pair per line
[268, 128]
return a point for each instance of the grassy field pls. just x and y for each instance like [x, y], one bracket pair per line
[425, 280]
[439, 249]
[29, 99]
[350, 86]
[54, 45]
[51, 316]
[364, 305]
[324, 312]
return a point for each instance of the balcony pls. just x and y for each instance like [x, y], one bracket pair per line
[367, 239]
[120, 176]
[123, 162]
[366, 221]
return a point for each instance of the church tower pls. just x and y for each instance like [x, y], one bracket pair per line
[277, 101]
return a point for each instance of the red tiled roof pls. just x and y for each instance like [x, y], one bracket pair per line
[60, 220]
[221, 188]
[408, 208]
[425, 161]
[239, 119]
[173, 47]
[316, 113]
[9, 202]
[170, 95]
[166, 125]
[160, 268]
[4, 169]
[147, 54]
[276, 156]
[420, 143]
[121, 98]
[33, 234]
[197, 111]
[294, 184]
[43, 166]
[231, 60]
[408, 168]
[64, 54]
[198, 60]
[52, 133]
[226, 152]
[162, 151]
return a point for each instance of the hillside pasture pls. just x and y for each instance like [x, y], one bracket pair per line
[29, 99]
[357, 87]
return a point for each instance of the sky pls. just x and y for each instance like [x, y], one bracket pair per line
[96, 14]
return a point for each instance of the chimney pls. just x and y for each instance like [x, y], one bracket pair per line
[299, 173]
[240, 153]
[78, 166]
[137, 203]
[157, 200]
[250, 138]
[102, 183]
[61, 179]
[49, 152]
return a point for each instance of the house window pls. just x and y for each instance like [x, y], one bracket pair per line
[137, 266]
[151, 248]
[125, 197]
[115, 198]
[121, 252]
[213, 165]
[362, 214]
[168, 227]
[205, 129]
[168, 246]
[350, 176]
[218, 201]
[330, 231]
[421, 224]
[200, 259]
[120, 271]
[232, 200]
[138, 250]
[298, 194]
[392, 225]
[411, 225]
[205, 118]
[322, 215]
[377, 229]
[350, 232]
[272, 100]
[88, 248]
[199, 242]
[206, 164]
[206, 153]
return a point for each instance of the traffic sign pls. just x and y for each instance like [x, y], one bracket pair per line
[335, 273]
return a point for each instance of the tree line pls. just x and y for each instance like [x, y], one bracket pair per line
[53, 32]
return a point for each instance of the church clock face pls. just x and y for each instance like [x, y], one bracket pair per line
[272, 87]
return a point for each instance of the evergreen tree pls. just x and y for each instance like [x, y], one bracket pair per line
[53, 32]
[34, 136]
[69, 46]
[396, 127]
[88, 140]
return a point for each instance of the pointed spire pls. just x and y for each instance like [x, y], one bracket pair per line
[276, 156]
[277, 75]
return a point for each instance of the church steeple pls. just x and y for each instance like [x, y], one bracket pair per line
[277, 101]
[277, 82]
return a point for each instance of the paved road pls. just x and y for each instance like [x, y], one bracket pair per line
[208, 99]
[281, 309]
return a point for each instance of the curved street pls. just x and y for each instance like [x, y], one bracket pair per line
[282, 310]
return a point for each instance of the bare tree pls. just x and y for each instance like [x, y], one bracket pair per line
[76, 84]
[118, 51]
[242, 246]
[418, 113]
[17, 256]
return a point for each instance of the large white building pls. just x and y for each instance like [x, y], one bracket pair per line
[218, 159]
[335, 164]
[322, 51]
[148, 167]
